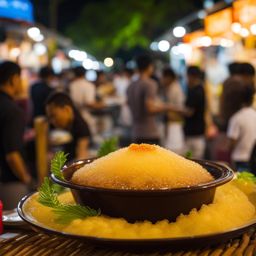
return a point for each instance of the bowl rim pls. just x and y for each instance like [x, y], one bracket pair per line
[227, 175]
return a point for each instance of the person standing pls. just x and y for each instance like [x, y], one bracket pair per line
[83, 94]
[144, 104]
[174, 95]
[41, 90]
[238, 71]
[121, 83]
[14, 176]
[242, 126]
[195, 124]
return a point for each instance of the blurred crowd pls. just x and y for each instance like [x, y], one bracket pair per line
[134, 105]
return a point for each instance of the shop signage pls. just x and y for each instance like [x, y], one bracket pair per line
[21, 10]
[193, 36]
[218, 23]
[245, 12]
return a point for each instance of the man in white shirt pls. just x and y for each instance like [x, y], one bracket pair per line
[121, 83]
[83, 94]
[175, 96]
[242, 128]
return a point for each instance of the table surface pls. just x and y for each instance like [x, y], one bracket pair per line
[29, 243]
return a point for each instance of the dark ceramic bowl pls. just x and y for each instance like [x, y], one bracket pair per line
[152, 205]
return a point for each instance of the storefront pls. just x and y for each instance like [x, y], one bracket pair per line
[29, 44]
[227, 35]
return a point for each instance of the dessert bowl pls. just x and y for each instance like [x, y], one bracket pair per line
[154, 204]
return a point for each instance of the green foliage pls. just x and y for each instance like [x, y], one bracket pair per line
[65, 212]
[105, 27]
[58, 188]
[57, 163]
[108, 146]
[189, 154]
[48, 195]
[246, 176]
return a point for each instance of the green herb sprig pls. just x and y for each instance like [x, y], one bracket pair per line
[68, 212]
[246, 176]
[48, 196]
[108, 146]
[58, 161]
[189, 154]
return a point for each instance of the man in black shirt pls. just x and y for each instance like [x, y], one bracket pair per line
[13, 172]
[62, 114]
[41, 90]
[195, 122]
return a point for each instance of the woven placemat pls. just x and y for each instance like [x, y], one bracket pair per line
[36, 244]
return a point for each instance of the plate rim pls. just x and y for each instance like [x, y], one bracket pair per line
[22, 215]
[20, 222]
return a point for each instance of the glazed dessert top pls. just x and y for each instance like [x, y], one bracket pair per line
[142, 147]
[143, 167]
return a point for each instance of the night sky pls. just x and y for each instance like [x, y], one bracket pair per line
[69, 10]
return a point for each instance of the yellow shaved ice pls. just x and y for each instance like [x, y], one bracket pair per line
[230, 209]
[142, 166]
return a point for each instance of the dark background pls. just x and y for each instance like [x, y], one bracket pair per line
[113, 27]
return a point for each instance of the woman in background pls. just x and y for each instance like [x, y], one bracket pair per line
[242, 125]
[175, 96]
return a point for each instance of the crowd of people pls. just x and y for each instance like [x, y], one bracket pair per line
[134, 105]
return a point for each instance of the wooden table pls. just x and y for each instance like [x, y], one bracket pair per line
[29, 243]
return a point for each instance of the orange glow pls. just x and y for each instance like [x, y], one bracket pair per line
[245, 12]
[218, 23]
[142, 147]
[191, 37]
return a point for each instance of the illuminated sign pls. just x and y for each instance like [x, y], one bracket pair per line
[218, 23]
[193, 36]
[21, 10]
[245, 12]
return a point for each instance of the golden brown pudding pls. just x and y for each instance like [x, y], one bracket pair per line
[142, 167]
